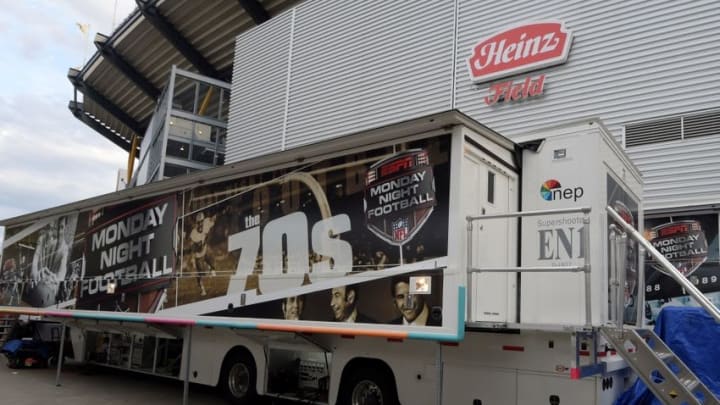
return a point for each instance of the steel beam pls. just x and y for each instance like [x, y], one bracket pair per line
[89, 92]
[77, 110]
[165, 27]
[255, 10]
[111, 55]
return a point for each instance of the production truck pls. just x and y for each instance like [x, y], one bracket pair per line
[432, 261]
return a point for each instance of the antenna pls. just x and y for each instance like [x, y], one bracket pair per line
[85, 29]
[114, 14]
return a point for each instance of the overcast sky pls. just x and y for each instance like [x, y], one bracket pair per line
[47, 156]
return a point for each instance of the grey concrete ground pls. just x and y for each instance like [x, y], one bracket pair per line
[80, 385]
[94, 385]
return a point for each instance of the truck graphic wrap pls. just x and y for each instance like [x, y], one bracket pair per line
[399, 196]
[255, 238]
[113, 258]
[387, 300]
[270, 234]
[683, 243]
[128, 248]
[690, 243]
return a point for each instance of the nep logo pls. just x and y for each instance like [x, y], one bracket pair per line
[551, 190]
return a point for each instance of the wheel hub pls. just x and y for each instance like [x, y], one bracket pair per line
[239, 380]
[366, 392]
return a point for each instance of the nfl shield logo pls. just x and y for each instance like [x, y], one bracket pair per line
[683, 243]
[400, 228]
[399, 195]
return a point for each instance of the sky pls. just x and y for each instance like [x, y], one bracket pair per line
[49, 157]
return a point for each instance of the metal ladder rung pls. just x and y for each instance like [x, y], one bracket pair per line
[690, 384]
[664, 356]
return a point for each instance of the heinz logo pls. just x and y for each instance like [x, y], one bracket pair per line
[520, 49]
[551, 190]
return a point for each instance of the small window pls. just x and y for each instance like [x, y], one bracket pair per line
[172, 170]
[491, 188]
[177, 149]
[203, 154]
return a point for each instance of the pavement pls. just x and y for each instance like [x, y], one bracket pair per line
[82, 384]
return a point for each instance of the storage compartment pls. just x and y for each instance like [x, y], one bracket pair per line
[302, 375]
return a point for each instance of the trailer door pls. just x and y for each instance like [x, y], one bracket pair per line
[489, 189]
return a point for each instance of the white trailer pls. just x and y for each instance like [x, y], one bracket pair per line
[390, 266]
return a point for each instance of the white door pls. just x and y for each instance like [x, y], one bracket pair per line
[488, 189]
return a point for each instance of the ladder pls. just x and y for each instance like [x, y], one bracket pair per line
[660, 369]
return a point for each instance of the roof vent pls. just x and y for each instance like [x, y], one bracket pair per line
[667, 129]
[672, 129]
[702, 125]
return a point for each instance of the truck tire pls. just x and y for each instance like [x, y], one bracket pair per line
[368, 386]
[238, 378]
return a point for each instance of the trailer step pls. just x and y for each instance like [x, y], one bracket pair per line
[661, 370]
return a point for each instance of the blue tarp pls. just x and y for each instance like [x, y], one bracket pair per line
[694, 336]
[12, 346]
[27, 348]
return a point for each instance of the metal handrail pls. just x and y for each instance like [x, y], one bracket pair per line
[673, 272]
[520, 214]
[529, 269]
[617, 246]
[585, 268]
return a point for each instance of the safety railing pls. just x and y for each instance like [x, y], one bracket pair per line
[671, 271]
[585, 268]
[617, 270]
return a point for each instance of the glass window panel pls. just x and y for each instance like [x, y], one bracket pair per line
[184, 94]
[491, 188]
[225, 104]
[208, 100]
[203, 154]
[172, 170]
[178, 149]
[219, 137]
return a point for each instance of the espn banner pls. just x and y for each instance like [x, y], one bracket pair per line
[266, 233]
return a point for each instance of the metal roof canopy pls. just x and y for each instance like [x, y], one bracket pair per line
[123, 79]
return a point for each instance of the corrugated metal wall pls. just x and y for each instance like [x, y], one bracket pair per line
[354, 66]
[257, 98]
[357, 65]
[630, 61]
[681, 173]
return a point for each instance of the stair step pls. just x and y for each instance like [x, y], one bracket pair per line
[691, 384]
[664, 356]
[652, 354]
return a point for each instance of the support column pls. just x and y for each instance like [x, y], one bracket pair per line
[187, 345]
[439, 376]
[60, 356]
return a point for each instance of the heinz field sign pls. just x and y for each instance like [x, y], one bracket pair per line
[519, 49]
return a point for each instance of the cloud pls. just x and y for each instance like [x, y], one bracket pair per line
[51, 159]
[48, 156]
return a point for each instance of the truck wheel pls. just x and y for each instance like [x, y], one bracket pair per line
[366, 386]
[237, 379]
